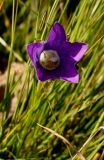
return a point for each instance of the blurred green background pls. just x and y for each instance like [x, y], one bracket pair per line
[40, 120]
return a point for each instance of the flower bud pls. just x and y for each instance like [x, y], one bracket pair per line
[49, 59]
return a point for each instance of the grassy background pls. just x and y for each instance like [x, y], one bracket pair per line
[54, 119]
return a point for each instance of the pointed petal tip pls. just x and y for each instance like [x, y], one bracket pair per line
[81, 53]
[57, 33]
[85, 46]
[57, 23]
[29, 47]
[71, 79]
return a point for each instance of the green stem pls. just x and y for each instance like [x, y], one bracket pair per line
[14, 18]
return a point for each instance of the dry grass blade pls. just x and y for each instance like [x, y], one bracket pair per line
[89, 139]
[64, 140]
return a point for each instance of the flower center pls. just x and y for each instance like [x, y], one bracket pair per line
[49, 59]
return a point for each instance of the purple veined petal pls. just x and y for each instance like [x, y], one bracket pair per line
[74, 79]
[57, 33]
[44, 74]
[34, 50]
[75, 50]
[70, 73]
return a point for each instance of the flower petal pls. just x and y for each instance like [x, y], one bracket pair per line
[74, 79]
[75, 50]
[57, 33]
[69, 72]
[44, 74]
[34, 50]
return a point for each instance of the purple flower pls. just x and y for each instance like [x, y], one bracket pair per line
[56, 57]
